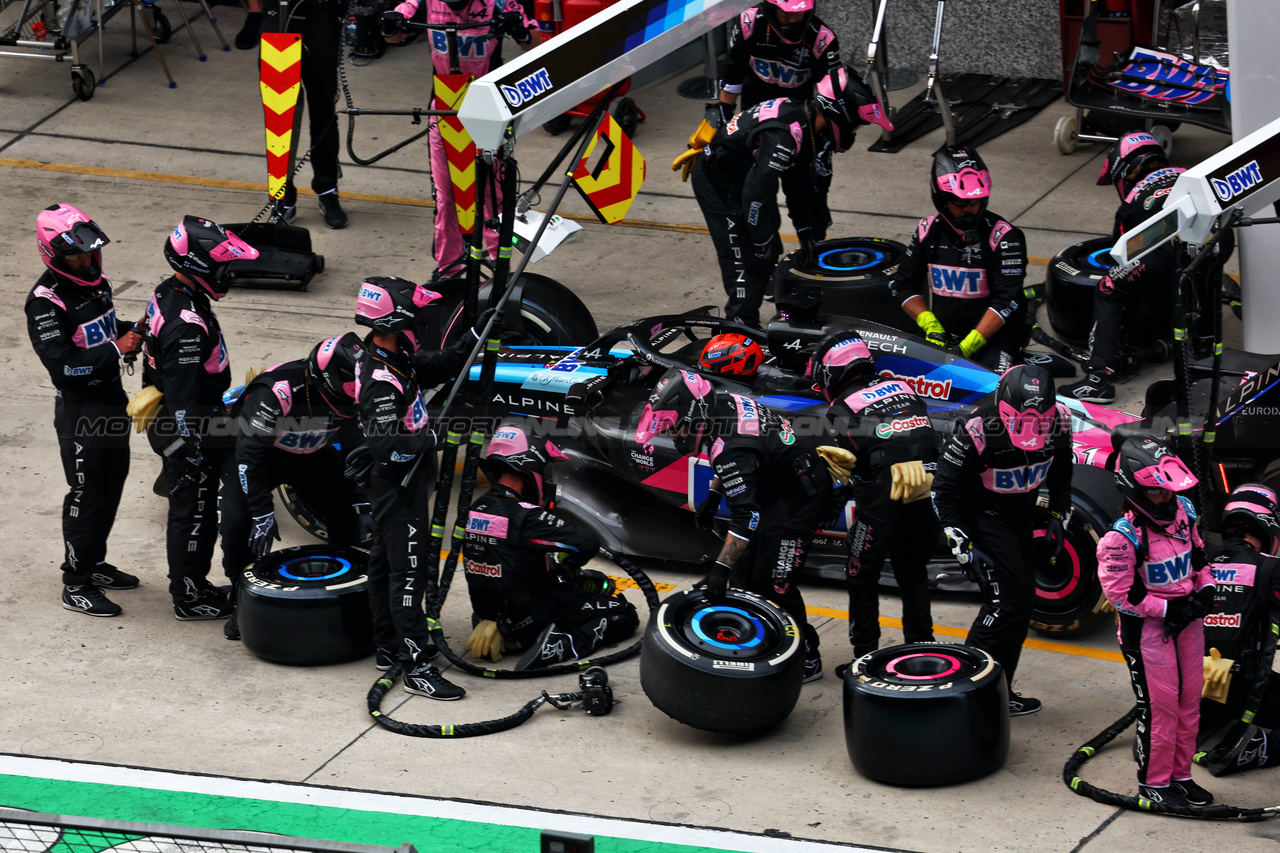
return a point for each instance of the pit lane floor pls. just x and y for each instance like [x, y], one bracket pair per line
[86, 698]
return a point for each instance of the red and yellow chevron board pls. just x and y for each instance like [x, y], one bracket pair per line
[449, 90]
[613, 184]
[280, 78]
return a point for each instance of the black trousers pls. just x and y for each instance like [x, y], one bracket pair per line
[905, 532]
[722, 208]
[402, 569]
[1005, 615]
[320, 27]
[93, 442]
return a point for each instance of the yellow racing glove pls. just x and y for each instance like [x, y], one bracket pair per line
[697, 141]
[1217, 676]
[933, 331]
[485, 641]
[972, 342]
[143, 407]
[910, 482]
[840, 463]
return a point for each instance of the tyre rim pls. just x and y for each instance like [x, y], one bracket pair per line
[1057, 581]
[924, 666]
[850, 259]
[726, 629]
[314, 568]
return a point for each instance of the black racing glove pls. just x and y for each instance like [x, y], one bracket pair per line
[263, 532]
[359, 465]
[705, 515]
[763, 258]
[364, 522]
[724, 113]
[186, 462]
[512, 24]
[716, 581]
[393, 23]
[1055, 534]
[973, 562]
[1181, 612]
[477, 328]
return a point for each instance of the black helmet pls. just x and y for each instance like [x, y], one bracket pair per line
[846, 102]
[1127, 159]
[1145, 464]
[683, 404]
[960, 176]
[203, 251]
[1027, 406]
[63, 230]
[1253, 507]
[732, 354]
[333, 368]
[391, 304]
[841, 358]
[513, 448]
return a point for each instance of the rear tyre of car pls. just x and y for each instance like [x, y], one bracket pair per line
[551, 314]
[926, 714]
[732, 665]
[1069, 599]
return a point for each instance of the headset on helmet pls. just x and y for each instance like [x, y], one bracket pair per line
[1145, 464]
[791, 32]
[846, 102]
[732, 354]
[1126, 159]
[959, 175]
[1027, 405]
[683, 404]
[1254, 507]
[203, 251]
[333, 368]
[396, 305]
[513, 449]
[63, 230]
[841, 358]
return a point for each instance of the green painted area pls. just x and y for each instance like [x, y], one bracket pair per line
[427, 834]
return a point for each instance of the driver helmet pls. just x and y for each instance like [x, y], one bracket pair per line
[732, 354]
[62, 230]
[1026, 405]
[1128, 158]
[203, 251]
[841, 358]
[514, 449]
[846, 102]
[392, 304]
[1145, 465]
[792, 31]
[959, 175]
[683, 405]
[332, 364]
[1253, 507]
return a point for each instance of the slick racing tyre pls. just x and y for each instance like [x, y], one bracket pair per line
[551, 314]
[852, 280]
[308, 517]
[733, 666]
[306, 606]
[926, 714]
[1072, 278]
[1069, 597]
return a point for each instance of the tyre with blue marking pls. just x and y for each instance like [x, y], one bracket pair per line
[851, 279]
[306, 606]
[1070, 282]
[732, 665]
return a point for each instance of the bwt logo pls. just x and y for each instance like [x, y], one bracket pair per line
[1169, 571]
[536, 84]
[1238, 182]
[779, 73]
[370, 294]
[957, 281]
[1223, 575]
[478, 525]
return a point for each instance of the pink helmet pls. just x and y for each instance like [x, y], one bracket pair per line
[1127, 157]
[63, 230]
[790, 32]
[682, 399]
[1026, 403]
[515, 450]
[841, 358]
[846, 103]
[391, 304]
[1146, 464]
[960, 176]
[203, 251]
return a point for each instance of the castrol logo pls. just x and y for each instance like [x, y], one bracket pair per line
[936, 389]
[1222, 620]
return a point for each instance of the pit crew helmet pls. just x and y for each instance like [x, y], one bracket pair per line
[683, 404]
[203, 251]
[1027, 405]
[1127, 159]
[841, 358]
[732, 354]
[63, 230]
[1146, 464]
[846, 102]
[513, 449]
[1253, 507]
[960, 176]
[389, 304]
[332, 364]
[792, 32]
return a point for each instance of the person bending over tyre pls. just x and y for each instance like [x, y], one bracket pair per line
[985, 488]
[887, 426]
[398, 467]
[72, 324]
[961, 278]
[1239, 640]
[776, 485]
[736, 179]
[291, 420]
[186, 361]
[1153, 569]
[524, 565]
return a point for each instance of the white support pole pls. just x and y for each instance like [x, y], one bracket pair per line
[1254, 30]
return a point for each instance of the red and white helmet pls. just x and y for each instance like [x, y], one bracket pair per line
[1027, 405]
[63, 230]
[791, 31]
[203, 251]
[731, 354]
[514, 449]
